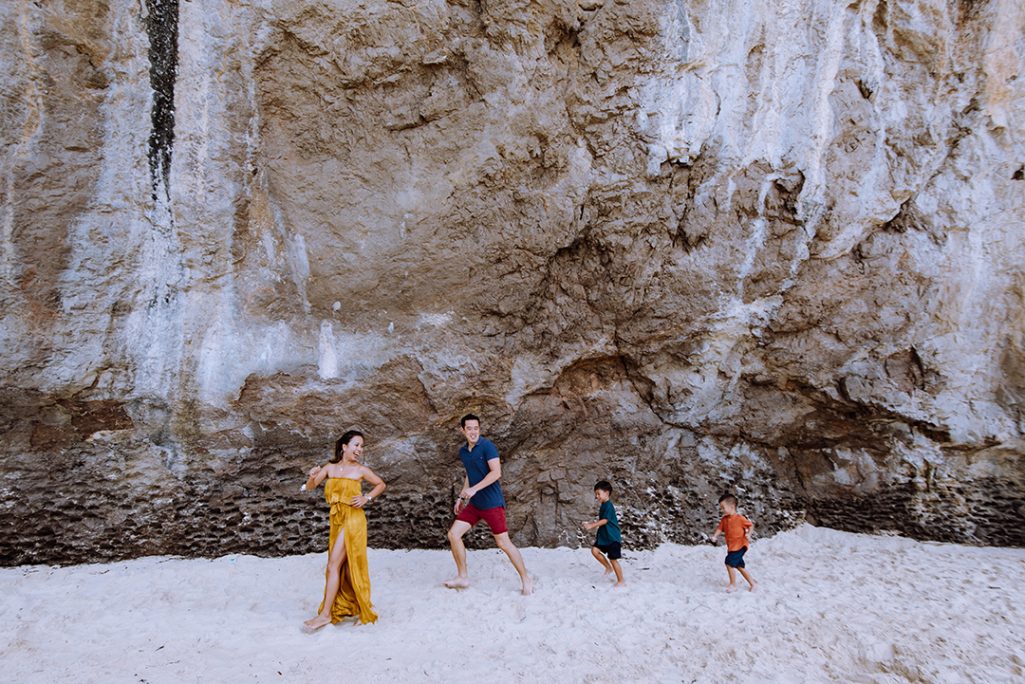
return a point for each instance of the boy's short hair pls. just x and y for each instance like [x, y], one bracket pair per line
[468, 416]
[604, 486]
[730, 499]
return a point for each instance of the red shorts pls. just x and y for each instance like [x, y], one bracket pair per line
[494, 517]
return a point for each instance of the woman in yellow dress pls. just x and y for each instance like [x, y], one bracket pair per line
[347, 590]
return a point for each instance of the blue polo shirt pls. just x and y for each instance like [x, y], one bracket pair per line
[476, 464]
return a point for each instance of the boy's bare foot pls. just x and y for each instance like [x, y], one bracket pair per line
[730, 588]
[457, 583]
[315, 623]
[528, 587]
[619, 585]
[752, 587]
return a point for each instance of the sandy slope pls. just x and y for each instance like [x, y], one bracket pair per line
[832, 606]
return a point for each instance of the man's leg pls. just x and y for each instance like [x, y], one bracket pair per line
[455, 541]
[601, 559]
[504, 543]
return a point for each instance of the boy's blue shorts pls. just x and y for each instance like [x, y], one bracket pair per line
[735, 559]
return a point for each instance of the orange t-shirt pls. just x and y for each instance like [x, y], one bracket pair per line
[733, 527]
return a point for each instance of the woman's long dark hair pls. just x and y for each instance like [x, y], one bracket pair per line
[342, 441]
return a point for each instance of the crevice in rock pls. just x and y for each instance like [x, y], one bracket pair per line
[908, 218]
[694, 174]
[562, 41]
[902, 220]
[162, 29]
[858, 412]
[865, 90]
[641, 384]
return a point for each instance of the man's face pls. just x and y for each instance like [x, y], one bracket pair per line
[471, 430]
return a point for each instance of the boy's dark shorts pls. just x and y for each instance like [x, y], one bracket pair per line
[614, 550]
[735, 559]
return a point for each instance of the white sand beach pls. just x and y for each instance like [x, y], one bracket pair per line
[831, 606]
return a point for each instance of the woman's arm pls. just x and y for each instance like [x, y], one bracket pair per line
[316, 476]
[379, 486]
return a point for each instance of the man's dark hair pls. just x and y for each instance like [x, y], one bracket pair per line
[342, 441]
[604, 486]
[468, 416]
[730, 499]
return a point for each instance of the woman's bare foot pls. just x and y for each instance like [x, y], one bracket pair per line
[457, 583]
[315, 623]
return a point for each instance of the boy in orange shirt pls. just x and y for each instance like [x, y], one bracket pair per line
[736, 528]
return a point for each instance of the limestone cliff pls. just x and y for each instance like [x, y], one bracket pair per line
[684, 245]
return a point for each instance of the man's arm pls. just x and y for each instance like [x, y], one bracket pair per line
[462, 499]
[494, 474]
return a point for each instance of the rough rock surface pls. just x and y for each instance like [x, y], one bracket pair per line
[688, 246]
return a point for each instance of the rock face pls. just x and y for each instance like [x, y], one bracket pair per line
[687, 246]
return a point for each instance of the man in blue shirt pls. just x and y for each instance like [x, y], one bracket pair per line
[481, 499]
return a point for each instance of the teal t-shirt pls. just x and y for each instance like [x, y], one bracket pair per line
[609, 532]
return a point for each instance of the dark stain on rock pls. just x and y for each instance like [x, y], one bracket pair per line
[162, 28]
[61, 424]
[983, 511]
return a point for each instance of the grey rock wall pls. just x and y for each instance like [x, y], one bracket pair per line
[687, 246]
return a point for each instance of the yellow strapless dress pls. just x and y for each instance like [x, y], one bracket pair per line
[353, 596]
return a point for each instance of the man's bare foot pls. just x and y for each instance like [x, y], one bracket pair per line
[457, 583]
[315, 623]
[730, 588]
[528, 587]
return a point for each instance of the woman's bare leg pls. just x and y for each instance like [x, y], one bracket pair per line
[335, 563]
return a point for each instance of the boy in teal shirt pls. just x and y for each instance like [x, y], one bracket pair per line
[608, 541]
